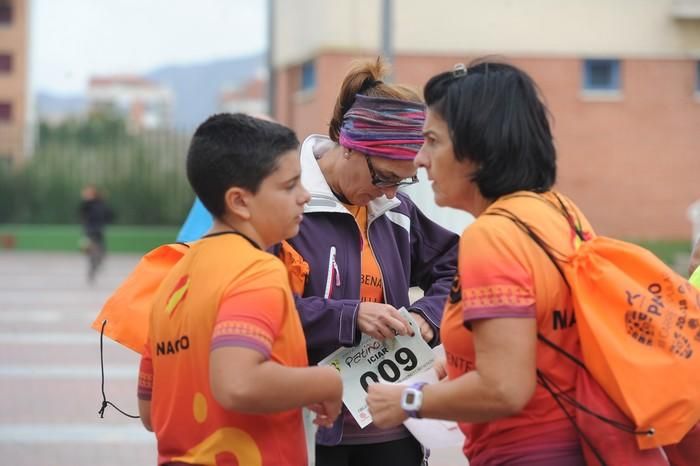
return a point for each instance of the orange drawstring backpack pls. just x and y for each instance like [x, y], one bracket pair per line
[639, 367]
[127, 310]
[297, 267]
[124, 317]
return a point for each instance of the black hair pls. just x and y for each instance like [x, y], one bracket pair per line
[498, 121]
[234, 150]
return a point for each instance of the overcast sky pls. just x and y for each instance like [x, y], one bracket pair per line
[72, 40]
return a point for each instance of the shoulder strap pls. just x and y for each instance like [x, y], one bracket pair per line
[554, 256]
[574, 223]
[573, 220]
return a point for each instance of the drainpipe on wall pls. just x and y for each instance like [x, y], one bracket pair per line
[387, 47]
[271, 81]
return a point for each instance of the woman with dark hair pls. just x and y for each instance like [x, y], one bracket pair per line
[488, 150]
[363, 244]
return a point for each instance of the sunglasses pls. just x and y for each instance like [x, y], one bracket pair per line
[380, 182]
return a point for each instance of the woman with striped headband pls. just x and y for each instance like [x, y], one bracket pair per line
[362, 244]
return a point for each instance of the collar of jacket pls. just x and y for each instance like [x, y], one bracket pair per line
[322, 198]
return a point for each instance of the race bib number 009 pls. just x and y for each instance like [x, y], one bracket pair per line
[374, 361]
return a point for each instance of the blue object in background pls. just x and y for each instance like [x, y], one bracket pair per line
[198, 222]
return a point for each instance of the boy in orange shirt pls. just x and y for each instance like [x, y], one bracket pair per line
[223, 376]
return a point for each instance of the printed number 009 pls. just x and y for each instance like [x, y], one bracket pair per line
[388, 370]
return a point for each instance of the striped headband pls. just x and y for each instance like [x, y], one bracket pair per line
[383, 127]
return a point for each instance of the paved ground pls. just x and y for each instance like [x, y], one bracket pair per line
[50, 367]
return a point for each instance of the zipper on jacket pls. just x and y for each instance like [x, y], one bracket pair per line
[333, 274]
[337, 273]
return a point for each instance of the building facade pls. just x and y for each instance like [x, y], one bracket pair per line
[144, 104]
[14, 87]
[250, 97]
[621, 79]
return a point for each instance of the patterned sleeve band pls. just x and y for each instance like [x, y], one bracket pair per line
[243, 335]
[497, 301]
[145, 384]
[384, 127]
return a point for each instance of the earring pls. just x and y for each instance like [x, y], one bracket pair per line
[346, 154]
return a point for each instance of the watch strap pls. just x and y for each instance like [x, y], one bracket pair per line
[416, 386]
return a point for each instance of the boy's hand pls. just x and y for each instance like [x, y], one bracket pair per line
[326, 412]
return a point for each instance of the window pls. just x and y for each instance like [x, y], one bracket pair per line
[5, 12]
[308, 75]
[5, 63]
[601, 75]
[5, 111]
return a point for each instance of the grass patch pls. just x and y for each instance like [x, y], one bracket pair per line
[120, 238]
[140, 239]
[669, 251]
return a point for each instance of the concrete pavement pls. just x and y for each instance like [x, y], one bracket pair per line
[50, 366]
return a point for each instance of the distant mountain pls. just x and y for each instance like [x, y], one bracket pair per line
[49, 105]
[196, 87]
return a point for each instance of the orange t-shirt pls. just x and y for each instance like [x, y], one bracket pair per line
[371, 288]
[502, 272]
[223, 292]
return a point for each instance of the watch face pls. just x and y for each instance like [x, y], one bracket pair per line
[410, 398]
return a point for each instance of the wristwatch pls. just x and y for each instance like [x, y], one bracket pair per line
[412, 399]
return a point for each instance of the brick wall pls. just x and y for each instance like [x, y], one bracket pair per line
[13, 85]
[632, 163]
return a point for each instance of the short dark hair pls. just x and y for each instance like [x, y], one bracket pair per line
[230, 150]
[497, 120]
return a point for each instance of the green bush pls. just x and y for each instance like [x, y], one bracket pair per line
[142, 176]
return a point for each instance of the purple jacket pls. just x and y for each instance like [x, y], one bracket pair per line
[411, 250]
